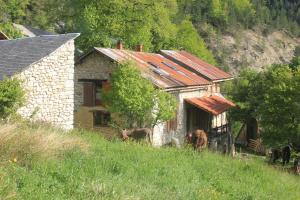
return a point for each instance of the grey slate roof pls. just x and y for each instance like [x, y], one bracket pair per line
[15, 55]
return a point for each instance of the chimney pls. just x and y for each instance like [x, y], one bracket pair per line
[139, 48]
[120, 45]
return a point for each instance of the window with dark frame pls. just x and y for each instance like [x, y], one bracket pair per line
[101, 118]
[92, 91]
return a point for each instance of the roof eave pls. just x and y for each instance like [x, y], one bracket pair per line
[189, 87]
[222, 80]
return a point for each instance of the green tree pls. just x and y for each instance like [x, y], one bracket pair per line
[136, 100]
[272, 98]
[140, 21]
[279, 112]
[11, 97]
[188, 38]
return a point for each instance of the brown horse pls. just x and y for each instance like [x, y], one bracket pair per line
[136, 134]
[200, 140]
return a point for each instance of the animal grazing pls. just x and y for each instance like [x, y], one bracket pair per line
[200, 140]
[136, 134]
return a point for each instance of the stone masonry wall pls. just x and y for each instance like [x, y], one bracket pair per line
[160, 134]
[49, 86]
[94, 66]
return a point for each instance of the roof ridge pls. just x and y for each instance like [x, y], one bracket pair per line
[40, 36]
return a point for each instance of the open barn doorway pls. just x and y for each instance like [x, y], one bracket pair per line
[197, 119]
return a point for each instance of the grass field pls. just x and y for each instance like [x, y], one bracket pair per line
[87, 166]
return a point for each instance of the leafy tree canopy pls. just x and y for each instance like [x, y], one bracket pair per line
[271, 97]
[136, 100]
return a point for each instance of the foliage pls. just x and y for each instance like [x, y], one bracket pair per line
[13, 10]
[188, 38]
[280, 110]
[137, 100]
[271, 97]
[9, 30]
[240, 91]
[165, 107]
[119, 170]
[229, 15]
[157, 25]
[142, 21]
[11, 97]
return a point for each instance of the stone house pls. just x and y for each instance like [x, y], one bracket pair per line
[45, 64]
[195, 84]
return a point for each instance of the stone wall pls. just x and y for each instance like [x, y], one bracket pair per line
[160, 134]
[49, 86]
[94, 66]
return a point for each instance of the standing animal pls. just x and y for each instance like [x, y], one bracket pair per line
[136, 134]
[275, 155]
[200, 140]
[284, 153]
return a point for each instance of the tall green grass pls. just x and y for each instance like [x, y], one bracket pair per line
[118, 170]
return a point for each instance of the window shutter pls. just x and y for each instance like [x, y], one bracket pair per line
[105, 85]
[89, 94]
[172, 124]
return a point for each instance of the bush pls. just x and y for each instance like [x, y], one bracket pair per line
[11, 97]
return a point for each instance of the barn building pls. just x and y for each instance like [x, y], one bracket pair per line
[194, 83]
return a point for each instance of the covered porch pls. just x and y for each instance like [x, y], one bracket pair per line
[209, 114]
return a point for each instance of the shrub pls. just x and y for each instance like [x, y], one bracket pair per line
[11, 97]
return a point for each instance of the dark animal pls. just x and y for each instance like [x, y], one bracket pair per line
[275, 155]
[189, 138]
[136, 134]
[225, 148]
[284, 153]
[200, 140]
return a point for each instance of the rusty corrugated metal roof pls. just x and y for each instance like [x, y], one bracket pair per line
[213, 104]
[197, 65]
[161, 71]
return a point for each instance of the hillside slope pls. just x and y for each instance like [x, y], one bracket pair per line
[249, 48]
[118, 170]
